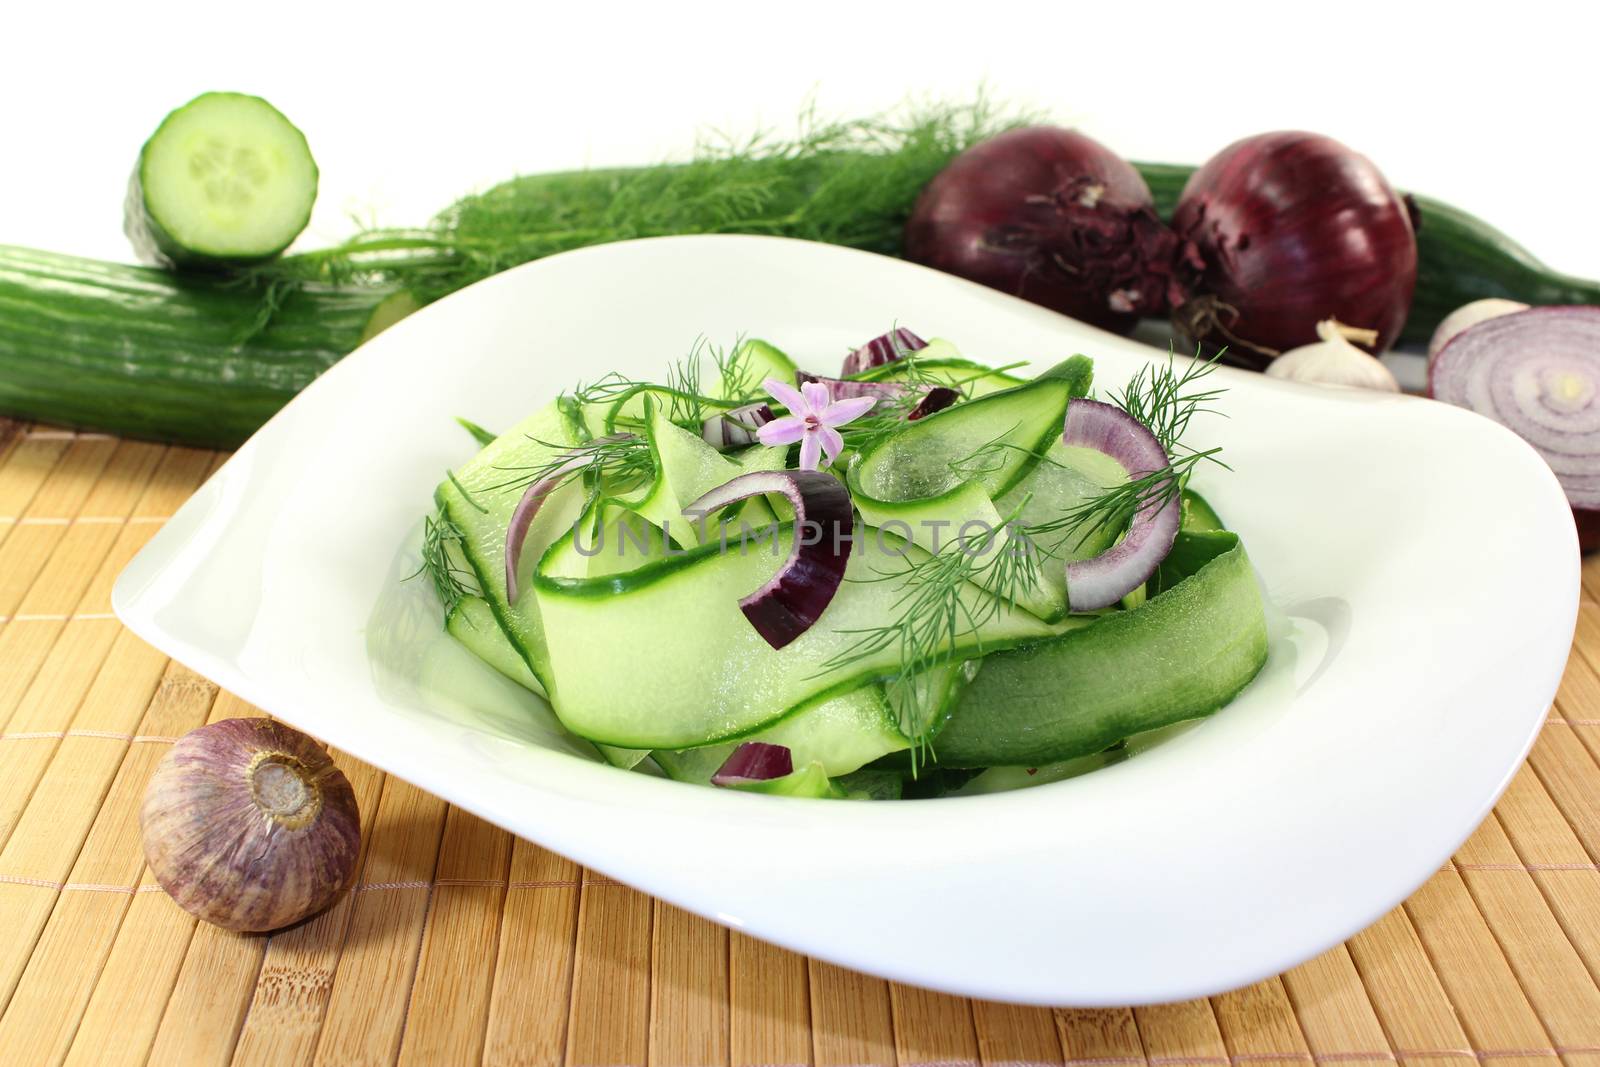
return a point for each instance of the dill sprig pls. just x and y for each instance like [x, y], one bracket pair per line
[1117, 505]
[441, 561]
[683, 389]
[935, 609]
[623, 460]
[843, 182]
[1165, 399]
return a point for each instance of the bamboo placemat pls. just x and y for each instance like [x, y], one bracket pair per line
[463, 944]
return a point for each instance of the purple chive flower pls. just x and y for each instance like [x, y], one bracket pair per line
[813, 416]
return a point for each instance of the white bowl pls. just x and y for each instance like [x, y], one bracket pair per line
[1421, 562]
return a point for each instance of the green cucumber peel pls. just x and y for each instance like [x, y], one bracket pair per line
[1184, 653]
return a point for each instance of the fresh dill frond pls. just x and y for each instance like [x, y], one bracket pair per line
[625, 459]
[479, 434]
[739, 384]
[842, 182]
[685, 405]
[441, 561]
[466, 494]
[1165, 399]
[935, 609]
[988, 457]
[1117, 505]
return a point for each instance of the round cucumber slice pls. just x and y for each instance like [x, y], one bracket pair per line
[224, 181]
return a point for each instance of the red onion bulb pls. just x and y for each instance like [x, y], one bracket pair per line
[1051, 216]
[1295, 228]
[249, 825]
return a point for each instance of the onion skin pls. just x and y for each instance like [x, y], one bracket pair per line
[1295, 228]
[1054, 217]
[249, 825]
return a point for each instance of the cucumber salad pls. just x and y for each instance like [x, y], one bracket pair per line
[925, 576]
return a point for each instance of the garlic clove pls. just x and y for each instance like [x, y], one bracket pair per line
[249, 825]
[1334, 360]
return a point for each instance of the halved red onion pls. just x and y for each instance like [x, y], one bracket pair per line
[533, 499]
[1536, 372]
[880, 350]
[754, 761]
[1105, 579]
[733, 429]
[795, 597]
[938, 398]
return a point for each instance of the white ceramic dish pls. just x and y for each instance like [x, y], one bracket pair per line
[1422, 561]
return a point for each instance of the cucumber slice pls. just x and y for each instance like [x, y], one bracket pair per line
[1198, 515]
[479, 500]
[224, 181]
[869, 784]
[935, 480]
[809, 781]
[1182, 655]
[472, 622]
[753, 362]
[711, 677]
[940, 363]
[992, 441]
[843, 734]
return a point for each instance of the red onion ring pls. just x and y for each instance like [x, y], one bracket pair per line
[880, 350]
[533, 499]
[1536, 372]
[1103, 580]
[938, 398]
[736, 428]
[754, 761]
[846, 389]
[792, 600]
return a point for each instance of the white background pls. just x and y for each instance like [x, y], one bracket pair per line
[409, 106]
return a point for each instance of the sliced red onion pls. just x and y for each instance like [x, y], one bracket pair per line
[845, 389]
[1536, 372]
[795, 597]
[1103, 580]
[880, 350]
[733, 429]
[533, 499]
[754, 761]
[938, 398]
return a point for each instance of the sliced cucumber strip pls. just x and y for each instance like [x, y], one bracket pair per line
[1183, 654]
[842, 733]
[472, 622]
[1198, 515]
[808, 781]
[992, 441]
[479, 499]
[224, 181]
[752, 363]
[941, 364]
[712, 676]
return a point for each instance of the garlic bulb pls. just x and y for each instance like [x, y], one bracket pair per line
[248, 824]
[1469, 315]
[1334, 360]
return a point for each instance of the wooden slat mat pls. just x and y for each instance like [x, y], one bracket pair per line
[463, 944]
